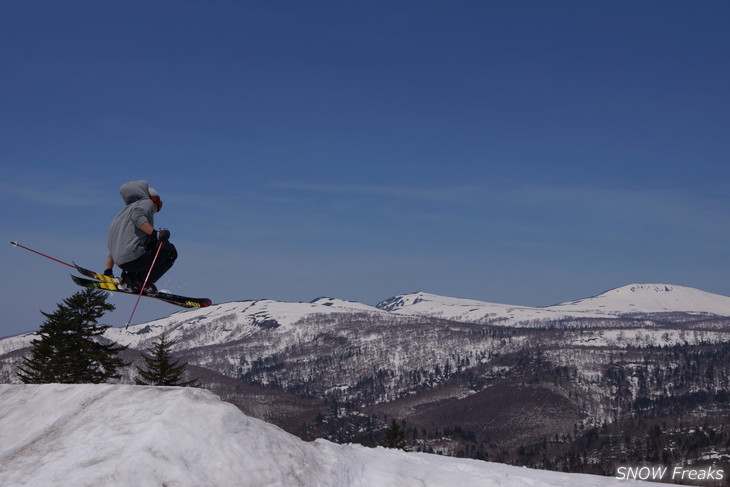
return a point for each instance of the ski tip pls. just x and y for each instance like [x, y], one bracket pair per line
[14, 244]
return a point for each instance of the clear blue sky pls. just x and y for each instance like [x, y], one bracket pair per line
[522, 152]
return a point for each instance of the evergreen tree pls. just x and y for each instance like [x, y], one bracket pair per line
[68, 350]
[395, 437]
[161, 370]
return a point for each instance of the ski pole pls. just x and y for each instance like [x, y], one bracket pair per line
[16, 244]
[129, 322]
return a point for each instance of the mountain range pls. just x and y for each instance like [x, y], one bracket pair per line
[516, 384]
[634, 298]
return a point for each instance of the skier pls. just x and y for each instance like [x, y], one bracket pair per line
[134, 242]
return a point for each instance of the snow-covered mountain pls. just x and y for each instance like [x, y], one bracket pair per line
[472, 311]
[630, 299]
[150, 436]
[650, 298]
[230, 322]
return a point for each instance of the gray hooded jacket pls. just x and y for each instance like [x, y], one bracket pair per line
[126, 240]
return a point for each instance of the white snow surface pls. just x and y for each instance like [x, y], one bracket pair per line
[121, 435]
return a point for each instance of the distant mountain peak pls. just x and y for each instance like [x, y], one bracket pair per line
[652, 298]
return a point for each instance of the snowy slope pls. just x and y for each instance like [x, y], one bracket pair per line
[16, 342]
[634, 298]
[472, 311]
[229, 322]
[112, 435]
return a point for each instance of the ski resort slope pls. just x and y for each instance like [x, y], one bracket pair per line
[120, 435]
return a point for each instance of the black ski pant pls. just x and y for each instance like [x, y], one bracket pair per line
[139, 267]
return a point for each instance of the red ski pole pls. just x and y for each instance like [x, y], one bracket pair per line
[16, 244]
[141, 291]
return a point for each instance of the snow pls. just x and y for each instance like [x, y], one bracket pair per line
[229, 322]
[121, 435]
[16, 342]
[651, 298]
[633, 298]
[473, 311]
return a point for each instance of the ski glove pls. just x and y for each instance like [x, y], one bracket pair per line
[109, 272]
[162, 235]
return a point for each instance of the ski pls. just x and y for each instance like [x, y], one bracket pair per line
[110, 284]
[96, 275]
[171, 298]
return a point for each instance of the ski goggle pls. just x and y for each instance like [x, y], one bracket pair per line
[157, 201]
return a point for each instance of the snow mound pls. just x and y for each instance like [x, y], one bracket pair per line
[120, 435]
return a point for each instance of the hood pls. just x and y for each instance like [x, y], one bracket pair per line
[134, 191]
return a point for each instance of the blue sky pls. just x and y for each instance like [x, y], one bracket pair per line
[521, 152]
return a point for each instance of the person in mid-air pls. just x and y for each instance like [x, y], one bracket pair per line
[134, 242]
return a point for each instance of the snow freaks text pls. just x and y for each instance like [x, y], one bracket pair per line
[669, 473]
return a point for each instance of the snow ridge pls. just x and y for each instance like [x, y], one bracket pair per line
[630, 299]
